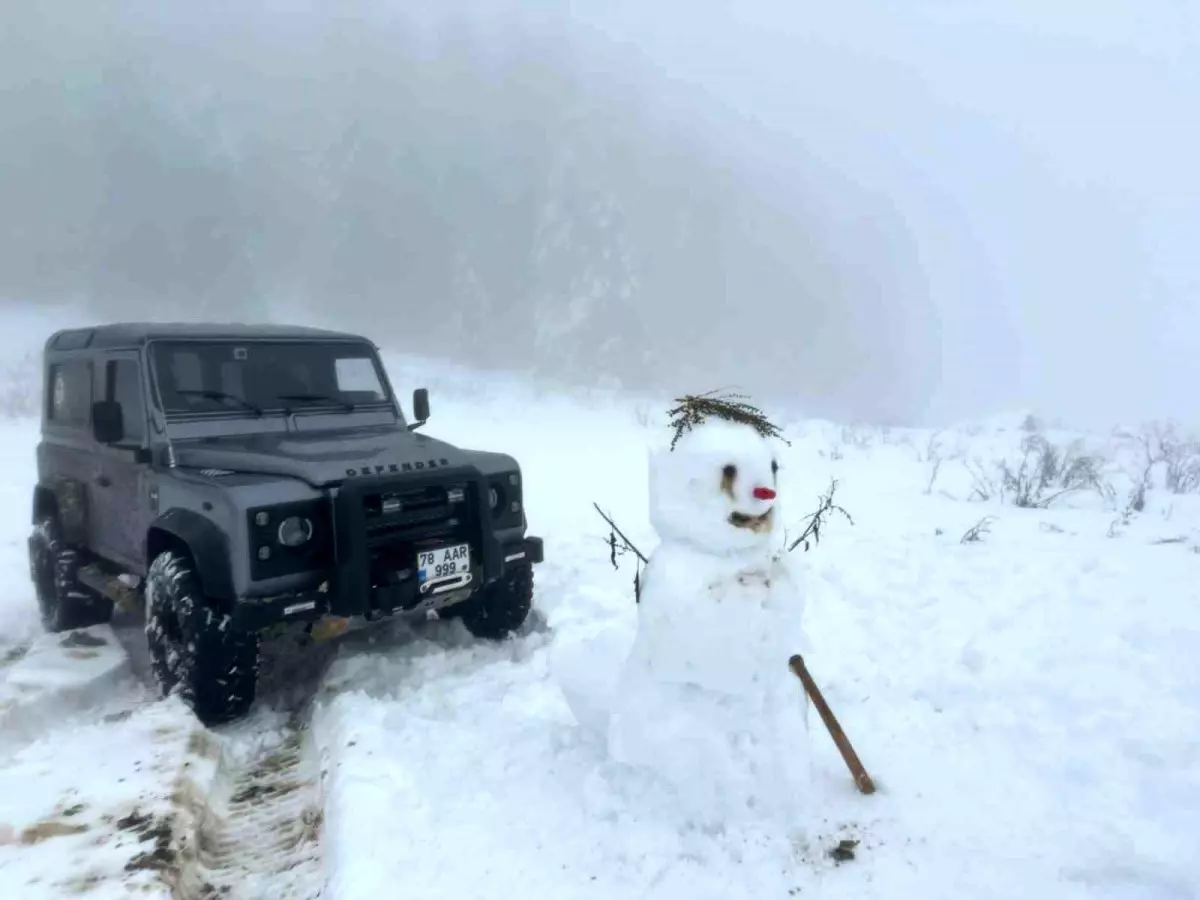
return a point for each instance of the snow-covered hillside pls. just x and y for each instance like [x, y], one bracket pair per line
[1028, 703]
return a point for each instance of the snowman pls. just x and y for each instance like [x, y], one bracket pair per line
[705, 700]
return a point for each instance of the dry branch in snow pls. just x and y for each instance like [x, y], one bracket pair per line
[619, 545]
[815, 521]
[975, 533]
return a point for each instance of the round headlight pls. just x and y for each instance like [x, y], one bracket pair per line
[295, 531]
[493, 497]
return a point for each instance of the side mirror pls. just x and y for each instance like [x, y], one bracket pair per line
[108, 423]
[420, 408]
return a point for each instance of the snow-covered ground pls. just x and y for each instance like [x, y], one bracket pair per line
[1028, 704]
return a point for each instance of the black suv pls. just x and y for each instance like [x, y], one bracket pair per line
[226, 479]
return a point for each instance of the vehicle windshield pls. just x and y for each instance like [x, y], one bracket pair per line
[256, 377]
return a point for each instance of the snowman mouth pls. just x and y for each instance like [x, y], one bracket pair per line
[757, 524]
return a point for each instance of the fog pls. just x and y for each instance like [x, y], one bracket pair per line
[898, 213]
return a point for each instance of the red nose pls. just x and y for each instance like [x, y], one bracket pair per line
[763, 493]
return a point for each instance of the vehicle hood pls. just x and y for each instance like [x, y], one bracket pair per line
[324, 458]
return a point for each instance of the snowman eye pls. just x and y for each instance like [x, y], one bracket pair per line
[728, 474]
[774, 467]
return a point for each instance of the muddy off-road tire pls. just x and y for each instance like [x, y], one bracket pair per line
[194, 648]
[500, 608]
[65, 603]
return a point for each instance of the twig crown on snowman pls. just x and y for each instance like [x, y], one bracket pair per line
[695, 409]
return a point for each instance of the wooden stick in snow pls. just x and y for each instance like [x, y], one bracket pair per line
[861, 779]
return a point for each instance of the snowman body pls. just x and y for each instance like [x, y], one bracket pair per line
[706, 699]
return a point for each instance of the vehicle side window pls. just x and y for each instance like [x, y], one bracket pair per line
[125, 387]
[70, 394]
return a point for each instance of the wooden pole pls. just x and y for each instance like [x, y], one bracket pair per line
[861, 779]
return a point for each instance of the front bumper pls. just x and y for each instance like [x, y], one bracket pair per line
[528, 551]
[401, 599]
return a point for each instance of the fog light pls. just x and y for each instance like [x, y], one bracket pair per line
[295, 531]
[514, 479]
[261, 519]
[264, 553]
[516, 506]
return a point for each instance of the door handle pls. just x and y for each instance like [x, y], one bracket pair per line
[103, 480]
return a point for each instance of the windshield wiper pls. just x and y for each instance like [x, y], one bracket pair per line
[316, 398]
[222, 395]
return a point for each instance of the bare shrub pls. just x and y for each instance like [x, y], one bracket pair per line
[1183, 475]
[933, 456]
[982, 486]
[1133, 505]
[933, 474]
[933, 448]
[1045, 473]
[1166, 460]
[860, 437]
[1178, 456]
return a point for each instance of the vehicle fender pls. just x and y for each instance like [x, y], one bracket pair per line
[207, 544]
[66, 499]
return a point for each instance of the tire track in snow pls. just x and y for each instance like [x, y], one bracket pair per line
[256, 825]
[250, 802]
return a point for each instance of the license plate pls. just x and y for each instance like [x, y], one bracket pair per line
[444, 562]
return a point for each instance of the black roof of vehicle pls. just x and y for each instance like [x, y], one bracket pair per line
[125, 335]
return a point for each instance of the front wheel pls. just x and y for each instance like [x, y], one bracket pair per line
[501, 607]
[194, 648]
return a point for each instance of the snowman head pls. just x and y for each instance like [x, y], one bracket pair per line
[717, 490]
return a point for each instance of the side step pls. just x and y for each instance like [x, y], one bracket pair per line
[125, 595]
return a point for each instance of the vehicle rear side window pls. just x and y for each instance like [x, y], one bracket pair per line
[70, 395]
[124, 386]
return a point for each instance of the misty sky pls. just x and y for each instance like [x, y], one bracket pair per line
[1044, 158]
[919, 211]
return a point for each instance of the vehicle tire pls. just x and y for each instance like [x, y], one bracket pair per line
[501, 607]
[194, 648]
[65, 602]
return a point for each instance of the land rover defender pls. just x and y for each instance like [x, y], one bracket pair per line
[222, 480]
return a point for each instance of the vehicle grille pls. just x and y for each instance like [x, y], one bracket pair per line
[403, 514]
[401, 520]
[383, 523]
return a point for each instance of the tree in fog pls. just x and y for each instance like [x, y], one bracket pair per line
[477, 188]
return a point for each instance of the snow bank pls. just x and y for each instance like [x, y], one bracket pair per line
[93, 810]
[62, 675]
